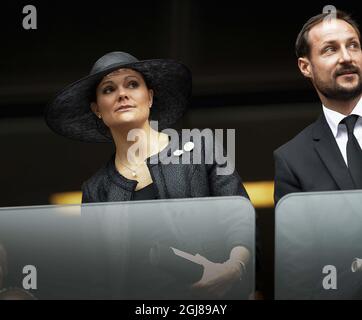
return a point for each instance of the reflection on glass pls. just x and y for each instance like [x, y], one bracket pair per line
[317, 238]
[144, 250]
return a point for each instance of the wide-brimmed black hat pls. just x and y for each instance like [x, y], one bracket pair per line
[70, 114]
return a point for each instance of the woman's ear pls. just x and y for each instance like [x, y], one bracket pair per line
[95, 109]
[151, 97]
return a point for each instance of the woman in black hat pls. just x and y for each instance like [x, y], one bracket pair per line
[121, 95]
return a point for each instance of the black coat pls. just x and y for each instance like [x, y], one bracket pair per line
[311, 161]
[176, 181]
[171, 180]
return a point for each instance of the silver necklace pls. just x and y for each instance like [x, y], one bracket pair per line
[134, 172]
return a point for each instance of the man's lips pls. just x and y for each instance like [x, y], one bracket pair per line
[123, 108]
[348, 72]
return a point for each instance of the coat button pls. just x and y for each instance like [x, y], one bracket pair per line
[188, 146]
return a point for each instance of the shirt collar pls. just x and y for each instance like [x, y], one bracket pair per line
[334, 118]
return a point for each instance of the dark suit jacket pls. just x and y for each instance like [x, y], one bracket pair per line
[311, 161]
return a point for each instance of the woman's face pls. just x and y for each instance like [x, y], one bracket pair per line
[123, 98]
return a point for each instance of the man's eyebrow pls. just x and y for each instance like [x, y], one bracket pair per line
[335, 41]
[329, 42]
[353, 38]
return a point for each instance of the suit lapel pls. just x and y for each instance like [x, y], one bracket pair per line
[326, 146]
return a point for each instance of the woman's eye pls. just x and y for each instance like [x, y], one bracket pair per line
[107, 90]
[133, 84]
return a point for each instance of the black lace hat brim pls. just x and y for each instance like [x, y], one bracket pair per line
[70, 115]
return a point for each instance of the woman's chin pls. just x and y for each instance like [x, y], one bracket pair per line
[125, 118]
[129, 122]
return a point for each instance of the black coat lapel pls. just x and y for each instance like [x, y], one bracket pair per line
[328, 150]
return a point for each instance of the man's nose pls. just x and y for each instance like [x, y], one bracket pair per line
[345, 55]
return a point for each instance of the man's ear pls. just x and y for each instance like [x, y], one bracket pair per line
[151, 97]
[305, 67]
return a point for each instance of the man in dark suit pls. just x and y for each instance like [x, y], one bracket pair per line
[327, 155]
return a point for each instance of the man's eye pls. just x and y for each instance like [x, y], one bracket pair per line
[133, 84]
[107, 90]
[329, 49]
[354, 45]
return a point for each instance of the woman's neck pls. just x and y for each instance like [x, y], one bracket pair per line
[134, 146]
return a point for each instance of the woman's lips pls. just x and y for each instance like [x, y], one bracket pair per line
[123, 108]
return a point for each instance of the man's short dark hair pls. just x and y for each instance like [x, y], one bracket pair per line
[302, 46]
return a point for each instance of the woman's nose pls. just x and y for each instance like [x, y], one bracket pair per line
[122, 94]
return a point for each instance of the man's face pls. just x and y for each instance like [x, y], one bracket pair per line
[335, 61]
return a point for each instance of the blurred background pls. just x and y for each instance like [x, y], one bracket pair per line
[245, 77]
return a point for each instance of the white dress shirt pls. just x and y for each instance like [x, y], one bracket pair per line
[340, 130]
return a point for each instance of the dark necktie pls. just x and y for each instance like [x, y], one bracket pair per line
[354, 152]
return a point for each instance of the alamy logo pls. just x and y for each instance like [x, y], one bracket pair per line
[191, 140]
[330, 280]
[30, 20]
[30, 280]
